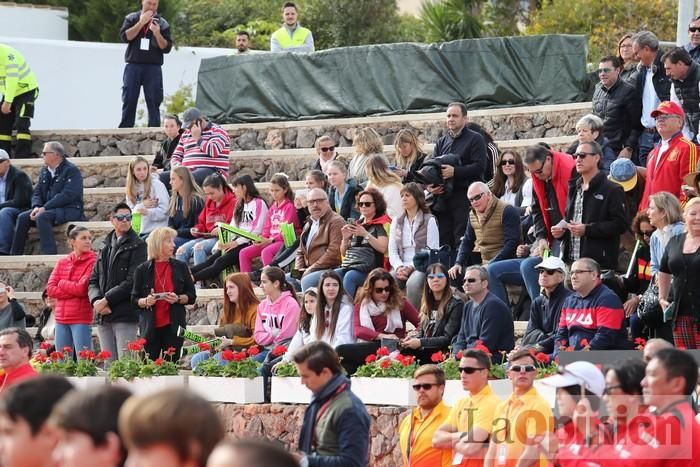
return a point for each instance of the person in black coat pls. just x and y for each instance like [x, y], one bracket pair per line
[594, 230]
[172, 127]
[57, 199]
[440, 317]
[111, 282]
[16, 198]
[162, 288]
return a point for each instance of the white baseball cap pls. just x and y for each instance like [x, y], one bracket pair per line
[553, 263]
[579, 373]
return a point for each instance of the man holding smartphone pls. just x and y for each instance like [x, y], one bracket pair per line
[148, 37]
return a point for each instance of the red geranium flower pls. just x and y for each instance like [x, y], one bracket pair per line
[86, 354]
[56, 356]
[253, 351]
[141, 341]
[542, 358]
[370, 358]
[134, 346]
[104, 355]
[279, 350]
[405, 360]
[385, 364]
[40, 358]
[44, 346]
[239, 356]
[383, 352]
[459, 355]
[532, 351]
[584, 343]
[171, 351]
[437, 357]
[227, 355]
[640, 341]
[158, 361]
[482, 348]
[67, 350]
[203, 346]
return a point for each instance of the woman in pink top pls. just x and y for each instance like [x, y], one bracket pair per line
[281, 211]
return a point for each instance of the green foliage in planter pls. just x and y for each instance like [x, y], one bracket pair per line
[62, 362]
[237, 365]
[286, 370]
[135, 363]
[383, 365]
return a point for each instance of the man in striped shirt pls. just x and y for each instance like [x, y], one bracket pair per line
[204, 147]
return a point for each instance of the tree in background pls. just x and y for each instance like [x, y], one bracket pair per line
[605, 22]
[449, 20]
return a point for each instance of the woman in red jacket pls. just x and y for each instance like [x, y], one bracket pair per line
[68, 285]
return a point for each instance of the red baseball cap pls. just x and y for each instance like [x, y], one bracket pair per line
[668, 108]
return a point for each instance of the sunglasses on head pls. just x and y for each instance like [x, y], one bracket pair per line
[382, 289]
[525, 368]
[423, 386]
[507, 162]
[437, 275]
[365, 204]
[477, 197]
[329, 148]
[549, 272]
[469, 369]
[122, 217]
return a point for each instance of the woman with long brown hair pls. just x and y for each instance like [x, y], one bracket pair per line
[511, 183]
[379, 318]
[146, 196]
[409, 155]
[186, 203]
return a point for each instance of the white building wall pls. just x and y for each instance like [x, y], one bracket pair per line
[80, 82]
[34, 21]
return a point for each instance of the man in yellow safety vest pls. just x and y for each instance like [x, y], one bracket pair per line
[291, 37]
[19, 90]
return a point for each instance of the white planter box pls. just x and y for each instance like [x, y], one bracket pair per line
[384, 391]
[235, 390]
[85, 382]
[289, 390]
[143, 386]
[453, 392]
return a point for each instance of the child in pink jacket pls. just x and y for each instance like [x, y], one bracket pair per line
[281, 211]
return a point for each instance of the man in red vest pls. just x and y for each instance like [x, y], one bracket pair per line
[673, 158]
[15, 352]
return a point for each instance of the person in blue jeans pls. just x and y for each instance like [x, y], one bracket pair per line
[15, 197]
[517, 271]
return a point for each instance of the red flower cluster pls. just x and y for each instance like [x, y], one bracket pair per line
[542, 357]
[170, 352]
[640, 342]
[405, 360]
[86, 354]
[253, 351]
[370, 358]
[67, 350]
[383, 352]
[480, 346]
[44, 346]
[437, 357]
[56, 356]
[231, 356]
[384, 364]
[104, 355]
[459, 355]
[136, 346]
[204, 346]
[279, 350]
[159, 361]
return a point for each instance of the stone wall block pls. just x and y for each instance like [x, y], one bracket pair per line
[306, 137]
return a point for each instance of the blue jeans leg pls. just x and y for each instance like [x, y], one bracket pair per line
[21, 231]
[531, 276]
[64, 337]
[260, 358]
[45, 223]
[82, 336]
[203, 249]
[184, 252]
[179, 241]
[502, 273]
[311, 280]
[352, 280]
[646, 144]
[8, 217]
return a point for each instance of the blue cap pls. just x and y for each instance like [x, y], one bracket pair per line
[624, 173]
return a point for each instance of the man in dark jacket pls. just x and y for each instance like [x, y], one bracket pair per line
[653, 87]
[111, 282]
[57, 199]
[15, 197]
[595, 212]
[335, 431]
[471, 149]
[685, 81]
[616, 102]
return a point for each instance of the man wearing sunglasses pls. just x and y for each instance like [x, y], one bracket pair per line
[417, 429]
[111, 282]
[618, 104]
[468, 425]
[693, 45]
[521, 417]
[595, 211]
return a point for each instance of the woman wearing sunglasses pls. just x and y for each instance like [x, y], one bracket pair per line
[511, 183]
[325, 150]
[380, 314]
[440, 317]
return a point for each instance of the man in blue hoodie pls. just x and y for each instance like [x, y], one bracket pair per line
[336, 423]
[592, 318]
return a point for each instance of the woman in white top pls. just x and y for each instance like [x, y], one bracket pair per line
[147, 196]
[386, 182]
[413, 230]
[365, 143]
[510, 182]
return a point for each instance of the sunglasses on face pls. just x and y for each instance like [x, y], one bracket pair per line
[605, 70]
[525, 368]
[423, 386]
[437, 275]
[647, 234]
[382, 289]
[690, 29]
[329, 148]
[507, 162]
[476, 198]
[471, 280]
[549, 272]
[122, 217]
[469, 369]
[365, 204]
[583, 155]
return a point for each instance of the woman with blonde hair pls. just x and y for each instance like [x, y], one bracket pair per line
[409, 155]
[386, 182]
[365, 143]
[146, 195]
[162, 287]
[186, 203]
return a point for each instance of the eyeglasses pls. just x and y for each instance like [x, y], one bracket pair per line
[691, 29]
[580, 271]
[609, 389]
[382, 289]
[477, 197]
[47, 152]
[469, 369]
[663, 118]
[605, 70]
[583, 155]
[525, 368]
[507, 162]
[329, 148]
[122, 217]
[471, 280]
[437, 275]
[549, 272]
[315, 201]
[424, 386]
[365, 204]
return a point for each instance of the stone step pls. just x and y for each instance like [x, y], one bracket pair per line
[261, 164]
[538, 121]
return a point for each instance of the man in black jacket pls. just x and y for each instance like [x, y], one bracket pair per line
[15, 197]
[595, 212]
[653, 87]
[111, 282]
[470, 147]
[685, 88]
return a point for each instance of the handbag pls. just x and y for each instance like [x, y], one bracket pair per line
[360, 258]
[649, 310]
[427, 256]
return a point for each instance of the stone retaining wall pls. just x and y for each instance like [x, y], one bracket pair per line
[283, 422]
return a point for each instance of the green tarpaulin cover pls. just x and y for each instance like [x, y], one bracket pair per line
[393, 78]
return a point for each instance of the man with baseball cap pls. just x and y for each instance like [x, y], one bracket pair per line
[204, 147]
[546, 308]
[676, 156]
[15, 197]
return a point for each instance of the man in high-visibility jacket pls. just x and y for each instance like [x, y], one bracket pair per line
[291, 37]
[20, 89]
